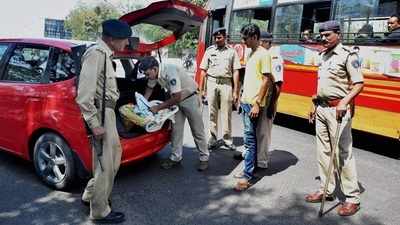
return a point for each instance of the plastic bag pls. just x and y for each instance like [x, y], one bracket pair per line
[141, 115]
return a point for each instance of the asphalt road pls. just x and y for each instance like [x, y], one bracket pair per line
[151, 195]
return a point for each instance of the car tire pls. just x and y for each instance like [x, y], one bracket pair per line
[54, 162]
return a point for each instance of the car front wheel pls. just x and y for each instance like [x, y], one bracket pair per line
[53, 161]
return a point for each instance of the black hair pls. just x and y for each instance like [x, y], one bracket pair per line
[148, 62]
[250, 30]
[397, 16]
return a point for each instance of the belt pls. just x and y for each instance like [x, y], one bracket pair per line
[194, 93]
[326, 102]
[110, 104]
[220, 80]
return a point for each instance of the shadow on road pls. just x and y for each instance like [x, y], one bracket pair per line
[280, 160]
[26, 200]
[151, 195]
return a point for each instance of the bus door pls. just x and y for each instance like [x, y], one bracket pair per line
[217, 12]
[243, 13]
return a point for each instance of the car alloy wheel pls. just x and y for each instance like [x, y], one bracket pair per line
[53, 161]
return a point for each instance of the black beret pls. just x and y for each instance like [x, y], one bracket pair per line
[331, 25]
[265, 35]
[219, 31]
[147, 62]
[116, 29]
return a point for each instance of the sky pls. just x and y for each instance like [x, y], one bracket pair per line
[25, 18]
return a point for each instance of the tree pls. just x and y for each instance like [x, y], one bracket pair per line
[85, 21]
[189, 40]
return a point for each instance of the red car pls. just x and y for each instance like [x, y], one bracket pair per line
[40, 120]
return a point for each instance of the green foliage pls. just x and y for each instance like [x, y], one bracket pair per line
[189, 40]
[197, 2]
[150, 32]
[85, 21]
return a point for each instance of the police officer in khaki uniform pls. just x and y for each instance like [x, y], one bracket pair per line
[89, 98]
[183, 91]
[220, 66]
[264, 139]
[339, 82]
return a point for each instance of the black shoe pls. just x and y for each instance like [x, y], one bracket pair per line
[112, 217]
[212, 145]
[231, 147]
[168, 163]
[85, 203]
[203, 165]
[238, 155]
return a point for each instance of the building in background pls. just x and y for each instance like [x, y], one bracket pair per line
[54, 28]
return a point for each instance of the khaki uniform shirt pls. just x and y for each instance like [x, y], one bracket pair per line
[91, 80]
[339, 69]
[258, 64]
[220, 62]
[174, 79]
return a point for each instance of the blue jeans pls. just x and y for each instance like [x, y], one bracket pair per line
[250, 140]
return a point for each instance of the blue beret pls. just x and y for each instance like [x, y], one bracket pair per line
[219, 31]
[331, 25]
[116, 29]
[265, 35]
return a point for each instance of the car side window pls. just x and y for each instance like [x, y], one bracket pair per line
[27, 64]
[63, 69]
[3, 48]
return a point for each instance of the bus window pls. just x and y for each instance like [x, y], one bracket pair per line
[215, 21]
[239, 18]
[287, 23]
[314, 14]
[364, 21]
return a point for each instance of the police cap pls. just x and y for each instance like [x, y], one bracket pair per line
[219, 31]
[331, 25]
[265, 36]
[116, 29]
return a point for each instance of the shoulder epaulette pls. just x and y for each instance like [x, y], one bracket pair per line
[210, 47]
[97, 48]
[348, 50]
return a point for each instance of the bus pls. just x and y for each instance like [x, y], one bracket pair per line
[363, 24]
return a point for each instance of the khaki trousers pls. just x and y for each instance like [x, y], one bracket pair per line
[98, 189]
[189, 108]
[326, 126]
[220, 96]
[264, 128]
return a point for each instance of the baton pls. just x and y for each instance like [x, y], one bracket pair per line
[98, 148]
[331, 165]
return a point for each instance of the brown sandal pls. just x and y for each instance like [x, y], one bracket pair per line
[242, 185]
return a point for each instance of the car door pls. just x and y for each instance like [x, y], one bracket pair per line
[3, 52]
[178, 17]
[21, 90]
